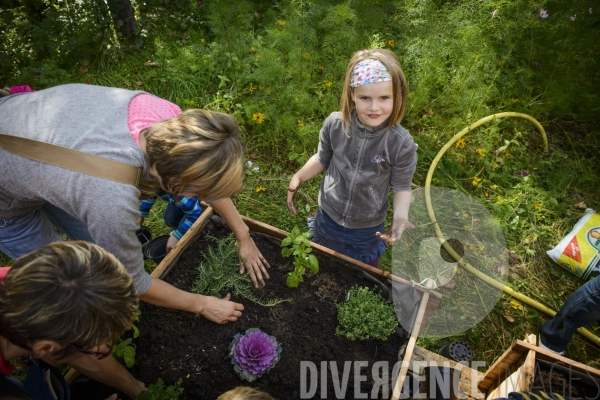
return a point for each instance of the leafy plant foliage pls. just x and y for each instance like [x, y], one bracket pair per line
[366, 315]
[298, 245]
[254, 354]
[123, 349]
[158, 391]
[219, 273]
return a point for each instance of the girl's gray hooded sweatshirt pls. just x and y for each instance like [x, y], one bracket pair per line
[363, 163]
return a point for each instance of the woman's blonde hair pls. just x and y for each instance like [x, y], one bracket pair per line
[71, 292]
[399, 84]
[197, 151]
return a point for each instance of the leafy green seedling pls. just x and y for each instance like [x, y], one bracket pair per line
[365, 315]
[298, 245]
[158, 391]
[123, 349]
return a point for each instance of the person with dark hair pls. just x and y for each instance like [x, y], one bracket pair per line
[63, 303]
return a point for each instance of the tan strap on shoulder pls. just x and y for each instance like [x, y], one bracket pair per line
[71, 159]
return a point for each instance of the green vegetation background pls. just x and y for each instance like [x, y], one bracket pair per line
[278, 67]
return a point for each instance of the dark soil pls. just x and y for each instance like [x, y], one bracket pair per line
[558, 378]
[175, 344]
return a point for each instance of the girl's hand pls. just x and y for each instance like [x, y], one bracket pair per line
[140, 221]
[394, 232]
[171, 242]
[292, 189]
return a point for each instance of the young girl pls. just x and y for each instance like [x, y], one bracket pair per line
[365, 153]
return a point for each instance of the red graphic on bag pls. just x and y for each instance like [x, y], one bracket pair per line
[572, 250]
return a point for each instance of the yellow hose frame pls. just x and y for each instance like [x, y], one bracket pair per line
[466, 266]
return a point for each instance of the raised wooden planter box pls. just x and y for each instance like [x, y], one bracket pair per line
[514, 371]
[256, 226]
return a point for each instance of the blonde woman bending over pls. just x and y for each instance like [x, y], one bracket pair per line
[190, 153]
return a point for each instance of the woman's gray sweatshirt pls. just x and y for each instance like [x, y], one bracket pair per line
[92, 119]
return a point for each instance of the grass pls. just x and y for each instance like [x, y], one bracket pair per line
[461, 65]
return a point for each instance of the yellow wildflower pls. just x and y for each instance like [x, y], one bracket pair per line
[328, 83]
[486, 194]
[258, 117]
[390, 43]
[251, 89]
[300, 123]
[476, 181]
[481, 152]
[494, 187]
[260, 189]
[499, 198]
[461, 143]
[538, 205]
[506, 153]
[252, 49]
[321, 67]
[516, 305]
[281, 22]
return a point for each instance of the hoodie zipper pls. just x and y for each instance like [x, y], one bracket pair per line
[354, 177]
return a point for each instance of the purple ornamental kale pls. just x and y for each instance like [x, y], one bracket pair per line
[254, 354]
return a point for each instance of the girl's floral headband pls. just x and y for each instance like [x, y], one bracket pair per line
[369, 71]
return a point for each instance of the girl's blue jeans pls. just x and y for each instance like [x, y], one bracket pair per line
[581, 309]
[20, 236]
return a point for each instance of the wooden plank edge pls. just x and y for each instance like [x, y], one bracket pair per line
[491, 375]
[550, 356]
[521, 347]
[174, 254]
[261, 227]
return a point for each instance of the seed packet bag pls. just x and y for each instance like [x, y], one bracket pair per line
[579, 251]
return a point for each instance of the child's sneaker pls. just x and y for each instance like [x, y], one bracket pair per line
[542, 346]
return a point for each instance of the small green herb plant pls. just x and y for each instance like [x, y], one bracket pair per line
[218, 274]
[158, 391]
[122, 347]
[365, 315]
[298, 245]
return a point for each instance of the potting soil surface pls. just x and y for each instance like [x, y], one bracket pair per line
[560, 379]
[176, 344]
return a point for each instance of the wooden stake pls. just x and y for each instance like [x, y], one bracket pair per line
[411, 345]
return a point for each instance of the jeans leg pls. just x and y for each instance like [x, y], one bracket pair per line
[22, 235]
[69, 225]
[173, 215]
[581, 309]
[374, 262]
